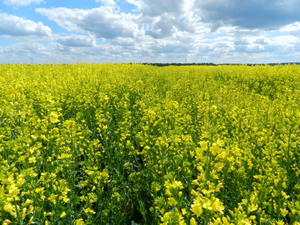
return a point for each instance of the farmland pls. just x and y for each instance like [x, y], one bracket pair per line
[137, 144]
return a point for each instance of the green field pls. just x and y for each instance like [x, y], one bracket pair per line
[136, 144]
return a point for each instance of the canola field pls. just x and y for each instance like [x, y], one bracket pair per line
[136, 144]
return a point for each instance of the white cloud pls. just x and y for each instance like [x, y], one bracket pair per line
[107, 2]
[225, 31]
[23, 51]
[293, 28]
[287, 40]
[159, 7]
[103, 22]
[161, 27]
[126, 43]
[77, 41]
[278, 46]
[21, 2]
[183, 46]
[15, 26]
[164, 18]
[255, 14]
[167, 25]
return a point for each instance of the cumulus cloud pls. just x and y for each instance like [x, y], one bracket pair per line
[166, 25]
[125, 43]
[164, 18]
[107, 2]
[174, 47]
[287, 40]
[158, 19]
[159, 7]
[103, 22]
[15, 26]
[276, 45]
[77, 41]
[246, 45]
[160, 31]
[161, 27]
[293, 28]
[23, 51]
[21, 2]
[255, 14]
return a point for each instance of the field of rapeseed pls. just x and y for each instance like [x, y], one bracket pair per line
[134, 144]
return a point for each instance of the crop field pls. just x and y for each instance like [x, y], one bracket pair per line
[136, 144]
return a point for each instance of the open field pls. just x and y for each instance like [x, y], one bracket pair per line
[137, 144]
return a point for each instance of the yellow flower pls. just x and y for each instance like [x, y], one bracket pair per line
[177, 184]
[217, 206]
[79, 222]
[8, 207]
[196, 207]
[54, 117]
[215, 149]
[207, 204]
[203, 144]
[48, 213]
[52, 198]
[173, 218]
[284, 212]
[32, 159]
[37, 190]
[6, 222]
[89, 210]
[168, 192]
[284, 195]
[222, 155]
[193, 221]
[65, 199]
[27, 202]
[13, 191]
[195, 182]
[244, 222]
[172, 201]
[217, 221]
[225, 221]
[199, 154]
[31, 220]
[63, 215]
[193, 192]
[252, 208]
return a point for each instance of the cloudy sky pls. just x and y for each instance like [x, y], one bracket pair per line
[219, 31]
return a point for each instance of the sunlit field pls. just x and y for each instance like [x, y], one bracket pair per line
[136, 144]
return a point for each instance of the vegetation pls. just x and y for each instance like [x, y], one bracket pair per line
[137, 144]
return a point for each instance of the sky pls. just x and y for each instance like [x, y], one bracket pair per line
[149, 31]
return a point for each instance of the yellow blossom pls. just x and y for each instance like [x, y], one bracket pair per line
[172, 201]
[79, 222]
[193, 221]
[284, 212]
[89, 210]
[196, 207]
[217, 206]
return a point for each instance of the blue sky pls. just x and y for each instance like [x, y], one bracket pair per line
[102, 31]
